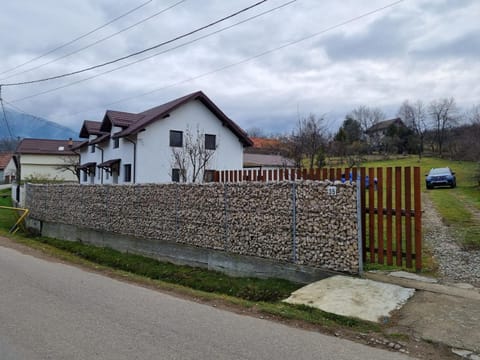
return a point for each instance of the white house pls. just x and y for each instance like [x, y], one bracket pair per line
[8, 170]
[152, 146]
[45, 159]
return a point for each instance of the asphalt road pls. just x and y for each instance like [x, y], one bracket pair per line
[54, 311]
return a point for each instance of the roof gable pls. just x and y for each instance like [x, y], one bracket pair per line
[384, 125]
[90, 127]
[5, 159]
[118, 118]
[47, 147]
[147, 117]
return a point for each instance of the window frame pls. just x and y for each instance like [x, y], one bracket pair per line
[175, 175]
[174, 142]
[127, 173]
[208, 144]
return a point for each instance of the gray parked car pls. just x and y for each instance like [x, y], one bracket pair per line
[441, 177]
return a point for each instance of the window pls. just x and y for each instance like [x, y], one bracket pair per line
[210, 142]
[209, 175]
[127, 171]
[176, 138]
[85, 175]
[176, 175]
[116, 143]
[92, 148]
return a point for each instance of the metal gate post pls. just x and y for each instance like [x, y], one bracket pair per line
[294, 223]
[359, 224]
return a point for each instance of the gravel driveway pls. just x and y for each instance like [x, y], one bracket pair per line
[455, 264]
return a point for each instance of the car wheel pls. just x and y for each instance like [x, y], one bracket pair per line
[429, 187]
[454, 185]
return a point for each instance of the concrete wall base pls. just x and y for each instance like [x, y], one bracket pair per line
[231, 264]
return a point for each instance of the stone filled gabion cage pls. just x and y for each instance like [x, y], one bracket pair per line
[311, 223]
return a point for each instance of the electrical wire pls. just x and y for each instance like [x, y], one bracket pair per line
[138, 52]
[23, 112]
[5, 115]
[154, 55]
[245, 60]
[98, 41]
[75, 40]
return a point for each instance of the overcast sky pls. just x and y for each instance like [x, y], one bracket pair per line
[416, 49]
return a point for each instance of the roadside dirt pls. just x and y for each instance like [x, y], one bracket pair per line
[393, 337]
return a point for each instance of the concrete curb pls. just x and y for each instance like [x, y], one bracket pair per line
[471, 294]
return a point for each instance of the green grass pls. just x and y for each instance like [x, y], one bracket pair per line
[7, 217]
[259, 295]
[252, 289]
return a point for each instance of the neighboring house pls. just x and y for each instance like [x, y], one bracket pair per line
[149, 147]
[266, 153]
[43, 159]
[7, 168]
[266, 161]
[377, 133]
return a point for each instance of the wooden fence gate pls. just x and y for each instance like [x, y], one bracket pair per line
[390, 199]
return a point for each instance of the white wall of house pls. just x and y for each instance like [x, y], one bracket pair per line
[10, 171]
[154, 154]
[46, 167]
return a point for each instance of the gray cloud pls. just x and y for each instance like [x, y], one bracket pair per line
[416, 50]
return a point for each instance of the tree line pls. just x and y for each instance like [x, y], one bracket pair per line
[438, 128]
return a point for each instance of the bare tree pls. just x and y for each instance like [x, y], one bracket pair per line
[70, 164]
[193, 158]
[443, 115]
[473, 115]
[309, 136]
[8, 144]
[415, 118]
[367, 116]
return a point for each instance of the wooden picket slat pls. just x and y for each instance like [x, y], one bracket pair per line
[398, 219]
[418, 218]
[380, 215]
[408, 219]
[389, 217]
[371, 217]
[338, 174]
[363, 215]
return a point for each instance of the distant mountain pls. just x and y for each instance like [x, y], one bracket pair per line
[28, 126]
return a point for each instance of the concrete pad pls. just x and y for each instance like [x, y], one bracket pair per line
[359, 298]
[412, 276]
[451, 320]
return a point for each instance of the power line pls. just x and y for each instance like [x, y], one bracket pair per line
[98, 41]
[138, 52]
[23, 112]
[75, 40]
[245, 60]
[5, 115]
[156, 54]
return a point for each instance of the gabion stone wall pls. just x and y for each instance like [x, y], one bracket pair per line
[297, 222]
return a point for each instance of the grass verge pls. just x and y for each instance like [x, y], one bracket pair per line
[252, 294]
